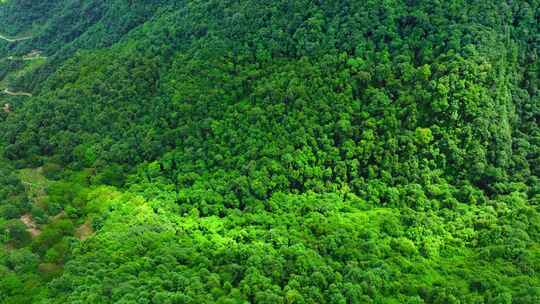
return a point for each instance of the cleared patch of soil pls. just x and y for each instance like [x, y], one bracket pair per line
[31, 226]
[84, 231]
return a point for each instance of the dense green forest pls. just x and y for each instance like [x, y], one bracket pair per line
[242, 151]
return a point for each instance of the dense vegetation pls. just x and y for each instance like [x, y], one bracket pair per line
[271, 152]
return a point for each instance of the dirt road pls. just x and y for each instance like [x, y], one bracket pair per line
[8, 92]
[14, 39]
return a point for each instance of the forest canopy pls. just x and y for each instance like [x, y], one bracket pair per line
[280, 151]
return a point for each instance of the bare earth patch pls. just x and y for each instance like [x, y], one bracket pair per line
[84, 231]
[31, 226]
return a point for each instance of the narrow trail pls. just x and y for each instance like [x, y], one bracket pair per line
[33, 55]
[8, 92]
[14, 39]
[26, 58]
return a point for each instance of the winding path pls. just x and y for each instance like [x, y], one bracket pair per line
[8, 92]
[26, 58]
[14, 39]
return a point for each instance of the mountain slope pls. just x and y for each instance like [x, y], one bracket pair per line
[276, 152]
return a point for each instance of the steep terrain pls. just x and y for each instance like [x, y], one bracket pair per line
[271, 152]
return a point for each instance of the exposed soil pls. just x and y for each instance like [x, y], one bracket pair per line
[31, 226]
[84, 231]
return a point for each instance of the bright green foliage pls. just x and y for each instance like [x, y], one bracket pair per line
[271, 152]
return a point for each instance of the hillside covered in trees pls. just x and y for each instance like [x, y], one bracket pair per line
[255, 151]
